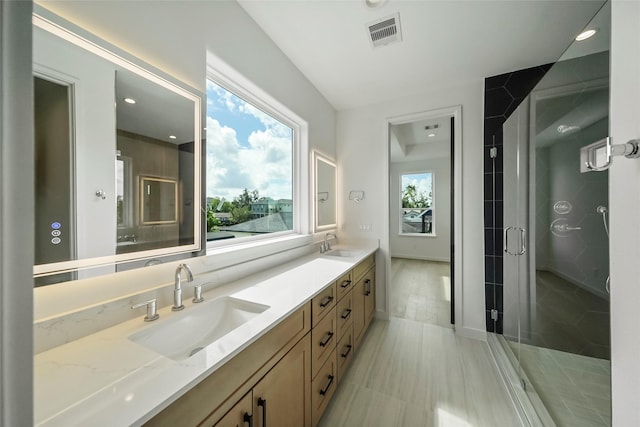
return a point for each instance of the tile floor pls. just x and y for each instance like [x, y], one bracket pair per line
[575, 389]
[421, 291]
[570, 318]
[413, 370]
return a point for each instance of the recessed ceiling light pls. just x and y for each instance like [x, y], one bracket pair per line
[172, 137]
[374, 3]
[431, 135]
[586, 34]
[130, 100]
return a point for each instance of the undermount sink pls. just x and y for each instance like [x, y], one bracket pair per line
[184, 334]
[340, 253]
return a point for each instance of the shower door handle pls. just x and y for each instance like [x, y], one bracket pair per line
[505, 239]
[523, 241]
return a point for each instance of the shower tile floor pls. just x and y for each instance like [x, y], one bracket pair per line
[570, 318]
[575, 389]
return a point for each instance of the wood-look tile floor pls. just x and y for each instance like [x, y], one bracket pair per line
[421, 291]
[413, 373]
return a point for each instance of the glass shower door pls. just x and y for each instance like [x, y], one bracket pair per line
[556, 305]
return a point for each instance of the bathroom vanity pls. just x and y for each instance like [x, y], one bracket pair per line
[297, 328]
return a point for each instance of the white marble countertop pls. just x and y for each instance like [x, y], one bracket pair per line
[105, 379]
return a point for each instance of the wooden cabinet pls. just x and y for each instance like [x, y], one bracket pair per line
[364, 303]
[282, 398]
[322, 303]
[323, 341]
[344, 314]
[241, 415]
[345, 351]
[323, 387]
[343, 284]
[211, 399]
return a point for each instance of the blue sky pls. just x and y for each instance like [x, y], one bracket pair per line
[246, 148]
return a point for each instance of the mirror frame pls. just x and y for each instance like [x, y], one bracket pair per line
[319, 157]
[58, 26]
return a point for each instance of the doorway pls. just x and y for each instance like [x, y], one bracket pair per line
[423, 208]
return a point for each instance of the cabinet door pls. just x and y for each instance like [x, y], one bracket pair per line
[358, 311]
[282, 398]
[241, 415]
[364, 304]
[369, 296]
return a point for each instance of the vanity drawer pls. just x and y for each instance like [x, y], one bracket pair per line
[322, 388]
[344, 285]
[345, 350]
[323, 341]
[344, 314]
[322, 303]
[360, 269]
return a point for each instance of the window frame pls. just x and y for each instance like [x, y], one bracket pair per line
[432, 207]
[226, 77]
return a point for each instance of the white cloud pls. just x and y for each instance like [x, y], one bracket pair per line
[265, 165]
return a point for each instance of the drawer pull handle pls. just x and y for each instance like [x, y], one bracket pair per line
[345, 314]
[263, 402]
[346, 353]
[326, 301]
[248, 419]
[327, 339]
[367, 287]
[345, 284]
[326, 388]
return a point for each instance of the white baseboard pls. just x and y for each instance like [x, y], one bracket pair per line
[422, 258]
[476, 334]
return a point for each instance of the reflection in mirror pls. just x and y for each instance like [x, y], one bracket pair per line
[93, 215]
[325, 190]
[158, 201]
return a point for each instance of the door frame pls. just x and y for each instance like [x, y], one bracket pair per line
[454, 112]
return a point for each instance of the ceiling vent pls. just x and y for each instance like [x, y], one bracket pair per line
[385, 31]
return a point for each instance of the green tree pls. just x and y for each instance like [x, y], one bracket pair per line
[412, 198]
[240, 214]
[213, 223]
[246, 198]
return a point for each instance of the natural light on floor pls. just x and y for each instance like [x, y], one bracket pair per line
[446, 288]
[447, 419]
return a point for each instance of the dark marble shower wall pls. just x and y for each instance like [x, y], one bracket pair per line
[502, 95]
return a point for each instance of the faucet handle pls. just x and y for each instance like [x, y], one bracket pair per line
[197, 294]
[152, 309]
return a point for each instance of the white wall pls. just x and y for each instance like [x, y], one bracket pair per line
[432, 248]
[624, 200]
[363, 165]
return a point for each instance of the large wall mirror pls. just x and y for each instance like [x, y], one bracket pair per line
[325, 207]
[118, 157]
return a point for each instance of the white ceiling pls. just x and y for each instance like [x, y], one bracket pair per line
[445, 43]
[411, 141]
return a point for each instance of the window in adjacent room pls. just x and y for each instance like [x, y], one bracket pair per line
[416, 204]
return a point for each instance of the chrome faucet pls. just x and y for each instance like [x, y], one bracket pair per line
[177, 291]
[325, 247]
